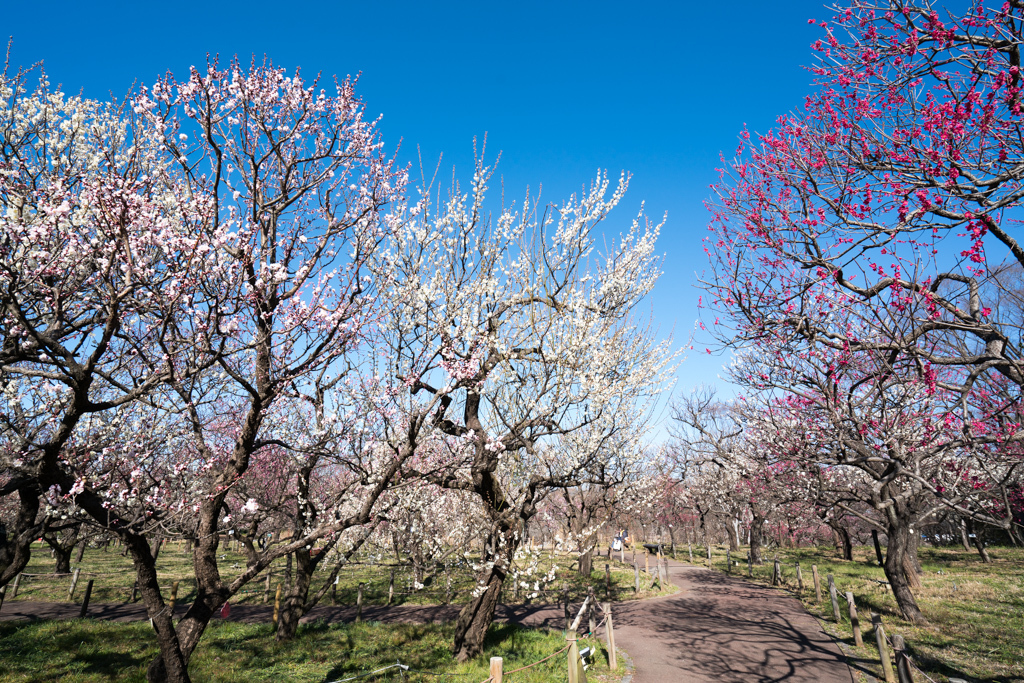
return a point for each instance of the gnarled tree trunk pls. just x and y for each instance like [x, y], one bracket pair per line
[899, 569]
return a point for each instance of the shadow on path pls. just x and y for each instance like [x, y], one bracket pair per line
[717, 628]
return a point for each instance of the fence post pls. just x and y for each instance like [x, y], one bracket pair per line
[750, 566]
[359, 603]
[607, 581]
[565, 603]
[174, 597]
[817, 584]
[591, 621]
[776, 573]
[636, 578]
[709, 556]
[14, 588]
[903, 670]
[74, 583]
[799, 580]
[728, 561]
[647, 563]
[3, 593]
[609, 632]
[883, 649]
[689, 547]
[835, 600]
[277, 604]
[496, 669]
[266, 588]
[85, 600]
[854, 621]
[391, 587]
[573, 657]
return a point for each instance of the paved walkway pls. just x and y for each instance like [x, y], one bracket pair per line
[717, 628]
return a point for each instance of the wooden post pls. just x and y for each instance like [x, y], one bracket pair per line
[174, 597]
[74, 583]
[135, 591]
[799, 580]
[266, 588]
[14, 586]
[359, 603]
[835, 600]
[334, 590]
[277, 603]
[854, 621]
[709, 556]
[728, 561]
[609, 633]
[391, 587]
[904, 672]
[689, 547]
[817, 583]
[622, 552]
[85, 600]
[573, 657]
[3, 593]
[647, 563]
[636, 578]
[565, 604]
[591, 621]
[776, 573]
[607, 581]
[496, 669]
[750, 566]
[883, 649]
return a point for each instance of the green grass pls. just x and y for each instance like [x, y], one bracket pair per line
[114, 575]
[84, 651]
[976, 611]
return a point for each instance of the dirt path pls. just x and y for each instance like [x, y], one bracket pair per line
[717, 628]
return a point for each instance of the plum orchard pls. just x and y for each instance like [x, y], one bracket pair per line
[221, 316]
[862, 250]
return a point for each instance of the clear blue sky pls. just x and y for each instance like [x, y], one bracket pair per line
[561, 89]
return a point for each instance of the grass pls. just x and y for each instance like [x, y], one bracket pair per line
[84, 651]
[976, 611]
[114, 575]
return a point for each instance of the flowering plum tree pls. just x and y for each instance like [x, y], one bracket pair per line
[515, 332]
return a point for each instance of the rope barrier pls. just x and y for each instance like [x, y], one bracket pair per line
[523, 668]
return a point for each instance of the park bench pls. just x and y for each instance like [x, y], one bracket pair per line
[654, 548]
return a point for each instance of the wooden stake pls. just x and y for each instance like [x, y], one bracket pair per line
[750, 565]
[573, 657]
[607, 581]
[277, 604]
[74, 583]
[14, 586]
[609, 632]
[799, 580]
[391, 587]
[776, 573]
[591, 621]
[636, 578]
[359, 603]
[174, 597]
[266, 588]
[835, 600]
[854, 621]
[728, 561]
[817, 583]
[904, 672]
[85, 600]
[883, 648]
[496, 669]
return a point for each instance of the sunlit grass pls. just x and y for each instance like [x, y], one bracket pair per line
[91, 651]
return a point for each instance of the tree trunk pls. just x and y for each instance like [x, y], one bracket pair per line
[756, 539]
[81, 551]
[979, 544]
[900, 572]
[733, 535]
[963, 535]
[846, 542]
[475, 618]
[293, 607]
[63, 559]
[586, 562]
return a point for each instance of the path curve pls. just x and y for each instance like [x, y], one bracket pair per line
[717, 628]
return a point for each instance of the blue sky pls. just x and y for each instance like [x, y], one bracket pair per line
[561, 89]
